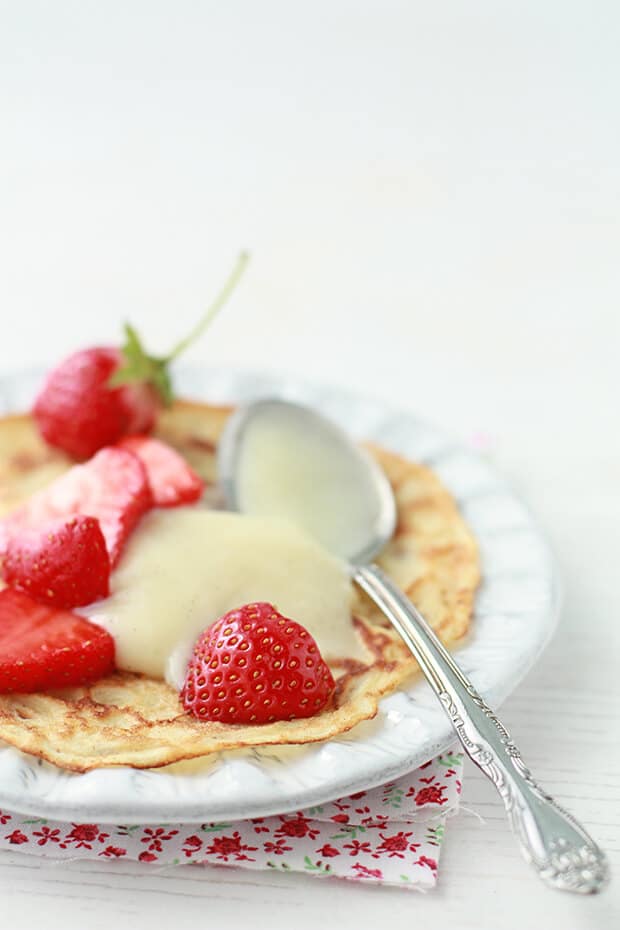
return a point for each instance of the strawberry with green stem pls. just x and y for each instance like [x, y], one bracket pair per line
[100, 394]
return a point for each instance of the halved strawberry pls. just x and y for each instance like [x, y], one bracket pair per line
[42, 648]
[256, 666]
[65, 563]
[172, 480]
[112, 487]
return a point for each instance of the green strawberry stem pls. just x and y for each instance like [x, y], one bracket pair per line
[214, 309]
[140, 367]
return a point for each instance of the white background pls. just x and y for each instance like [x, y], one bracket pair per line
[430, 192]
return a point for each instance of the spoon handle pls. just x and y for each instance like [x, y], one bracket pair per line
[558, 848]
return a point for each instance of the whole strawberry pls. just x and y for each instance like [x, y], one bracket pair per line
[256, 666]
[100, 394]
[79, 412]
[64, 563]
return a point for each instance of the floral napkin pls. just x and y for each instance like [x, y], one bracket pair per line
[390, 835]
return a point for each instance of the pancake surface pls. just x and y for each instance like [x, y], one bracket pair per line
[128, 719]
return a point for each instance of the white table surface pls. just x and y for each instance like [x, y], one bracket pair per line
[431, 196]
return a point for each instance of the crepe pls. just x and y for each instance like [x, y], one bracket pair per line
[128, 719]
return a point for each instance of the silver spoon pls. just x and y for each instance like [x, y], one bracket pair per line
[559, 849]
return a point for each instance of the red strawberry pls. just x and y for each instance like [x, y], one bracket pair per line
[79, 412]
[112, 487]
[97, 396]
[42, 647]
[255, 666]
[65, 564]
[171, 479]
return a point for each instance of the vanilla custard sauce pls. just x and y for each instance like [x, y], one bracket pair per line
[185, 567]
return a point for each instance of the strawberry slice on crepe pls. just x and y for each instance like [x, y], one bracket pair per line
[43, 648]
[172, 480]
[112, 487]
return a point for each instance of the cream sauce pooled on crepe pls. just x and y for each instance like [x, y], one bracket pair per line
[185, 568]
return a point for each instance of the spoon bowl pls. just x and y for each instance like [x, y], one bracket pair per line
[310, 472]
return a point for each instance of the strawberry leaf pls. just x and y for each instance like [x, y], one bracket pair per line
[138, 367]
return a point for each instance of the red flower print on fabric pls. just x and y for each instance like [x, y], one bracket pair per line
[356, 847]
[16, 838]
[363, 872]
[297, 826]
[328, 852]
[156, 837]
[4, 817]
[378, 823]
[191, 845]
[433, 794]
[225, 847]
[113, 852]
[278, 848]
[85, 834]
[395, 846]
[147, 856]
[47, 836]
[425, 860]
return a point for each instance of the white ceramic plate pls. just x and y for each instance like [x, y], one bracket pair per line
[516, 610]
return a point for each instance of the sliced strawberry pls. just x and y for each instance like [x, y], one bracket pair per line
[65, 563]
[42, 648]
[256, 666]
[172, 480]
[112, 487]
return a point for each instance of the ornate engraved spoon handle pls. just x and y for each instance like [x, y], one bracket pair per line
[560, 850]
